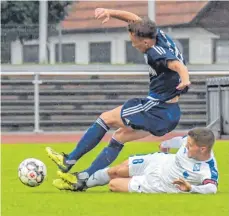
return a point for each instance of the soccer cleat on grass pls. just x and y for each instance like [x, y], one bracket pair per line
[76, 179]
[69, 177]
[59, 159]
[63, 185]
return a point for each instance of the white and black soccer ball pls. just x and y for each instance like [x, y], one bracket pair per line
[32, 172]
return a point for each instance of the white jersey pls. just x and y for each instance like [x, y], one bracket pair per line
[193, 171]
[155, 173]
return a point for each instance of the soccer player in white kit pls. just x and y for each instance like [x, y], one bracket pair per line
[192, 169]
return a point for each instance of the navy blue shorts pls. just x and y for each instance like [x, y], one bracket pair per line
[152, 115]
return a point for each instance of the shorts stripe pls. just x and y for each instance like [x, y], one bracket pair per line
[146, 108]
[156, 103]
[136, 107]
[132, 108]
[139, 105]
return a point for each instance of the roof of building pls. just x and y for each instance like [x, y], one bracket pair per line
[215, 18]
[168, 13]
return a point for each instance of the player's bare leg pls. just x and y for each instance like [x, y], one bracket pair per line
[119, 171]
[119, 185]
[127, 134]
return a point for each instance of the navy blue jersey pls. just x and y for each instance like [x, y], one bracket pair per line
[163, 81]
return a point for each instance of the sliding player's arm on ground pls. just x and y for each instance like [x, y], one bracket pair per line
[182, 70]
[208, 187]
[105, 14]
[204, 189]
[209, 179]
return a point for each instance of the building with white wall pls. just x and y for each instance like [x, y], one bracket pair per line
[84, 40]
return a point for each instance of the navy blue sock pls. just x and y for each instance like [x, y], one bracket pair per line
[90, 139]
[106, 157]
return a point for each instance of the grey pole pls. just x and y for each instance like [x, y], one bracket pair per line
[152, 9]
[43, 17]
[60, 43]
[36, 83]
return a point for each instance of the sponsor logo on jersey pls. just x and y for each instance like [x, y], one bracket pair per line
[196, 167]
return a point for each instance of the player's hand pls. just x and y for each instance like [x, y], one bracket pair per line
[182, 85]
[102, 13]
[182, 185]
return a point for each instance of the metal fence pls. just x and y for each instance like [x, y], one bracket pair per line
[218, 104]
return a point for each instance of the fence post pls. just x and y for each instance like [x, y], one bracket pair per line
[36, 83]
[220, 110]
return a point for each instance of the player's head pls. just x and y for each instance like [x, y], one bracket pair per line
[142, 34]
[199, 143]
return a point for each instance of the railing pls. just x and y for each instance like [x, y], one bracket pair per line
[37, 81]
[198, 73]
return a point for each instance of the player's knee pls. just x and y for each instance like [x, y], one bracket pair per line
[107, 117]
[112, 172]
[112, 185]
[122, 134]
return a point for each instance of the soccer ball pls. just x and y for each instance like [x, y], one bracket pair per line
[32, 172]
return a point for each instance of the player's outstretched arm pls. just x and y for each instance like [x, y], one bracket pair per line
[106, 14]
[175, 142]
[182, 70]
[202, 189]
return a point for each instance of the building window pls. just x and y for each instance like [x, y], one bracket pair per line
[68, 53]
[183, 46]
[133, 55]
[222, 51]
[100, 52]
[30, 53]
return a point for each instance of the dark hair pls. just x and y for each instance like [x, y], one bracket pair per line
[202, 137]
[145, 28]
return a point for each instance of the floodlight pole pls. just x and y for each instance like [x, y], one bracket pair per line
[151, 9]
[43, 19]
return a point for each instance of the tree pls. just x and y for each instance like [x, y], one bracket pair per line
[21, 18]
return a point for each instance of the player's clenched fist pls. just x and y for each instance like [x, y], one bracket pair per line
[183, 85]
[102, 13]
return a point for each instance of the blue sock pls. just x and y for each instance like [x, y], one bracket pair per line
[90, 139]
[106, 157]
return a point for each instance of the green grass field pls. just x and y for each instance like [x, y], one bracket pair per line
[46, 200]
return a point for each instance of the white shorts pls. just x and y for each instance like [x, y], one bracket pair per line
[145, 172]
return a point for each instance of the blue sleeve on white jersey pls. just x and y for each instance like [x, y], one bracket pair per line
[213, 170]
[156, 53]
[210, 175]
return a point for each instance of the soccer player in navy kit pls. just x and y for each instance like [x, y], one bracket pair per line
[156, 114]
